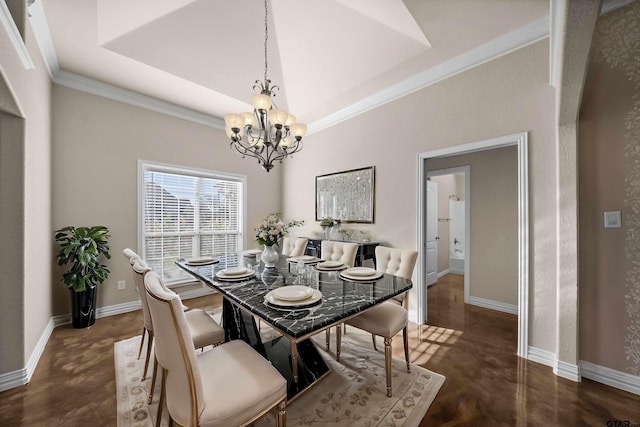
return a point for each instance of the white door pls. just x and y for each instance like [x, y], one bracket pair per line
[432, 231]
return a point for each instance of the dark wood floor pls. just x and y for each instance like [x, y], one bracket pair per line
[486, 385]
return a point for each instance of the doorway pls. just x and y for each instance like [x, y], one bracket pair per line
[520, 142]
[453, 221]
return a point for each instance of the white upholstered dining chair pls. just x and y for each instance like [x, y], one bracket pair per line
[345, 252]
[399, 262]
[390, 317]
[204, 330]
[229, 385]
[294, 246]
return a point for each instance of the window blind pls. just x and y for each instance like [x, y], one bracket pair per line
[187, 213]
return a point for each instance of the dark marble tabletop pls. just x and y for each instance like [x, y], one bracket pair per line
[340, 298]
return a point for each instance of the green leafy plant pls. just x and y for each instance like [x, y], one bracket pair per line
[328, 222]
[82, 247]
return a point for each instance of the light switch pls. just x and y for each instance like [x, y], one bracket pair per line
[612, 219]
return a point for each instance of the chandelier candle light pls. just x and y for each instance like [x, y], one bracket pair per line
[268, 134]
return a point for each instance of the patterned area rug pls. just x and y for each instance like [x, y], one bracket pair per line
[353, 394]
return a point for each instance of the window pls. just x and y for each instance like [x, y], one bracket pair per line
[187, 213]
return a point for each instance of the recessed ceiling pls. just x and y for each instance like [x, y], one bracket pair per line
[325, 55]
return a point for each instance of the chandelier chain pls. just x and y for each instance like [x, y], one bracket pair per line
[266, 39]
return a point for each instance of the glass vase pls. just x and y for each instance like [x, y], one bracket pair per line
[269, 256]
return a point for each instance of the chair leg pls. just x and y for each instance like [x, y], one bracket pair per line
[373, 338]
[146, 362]
[405, 338]
[387, 363]
[281, 420]
[153, 380]
[144, 331]
[328, 337]
[338, 341]
[161, 401]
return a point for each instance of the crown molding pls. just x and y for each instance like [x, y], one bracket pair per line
[14, 36]
[496, 48]
[43, 37]
[85, 84]
[500, 46]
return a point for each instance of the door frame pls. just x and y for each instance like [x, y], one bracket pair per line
[520, 140]
[467, 219]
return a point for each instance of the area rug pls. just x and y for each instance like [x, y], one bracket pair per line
[353, 394]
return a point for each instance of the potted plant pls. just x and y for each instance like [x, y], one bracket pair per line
[81, 248]
[327, 223]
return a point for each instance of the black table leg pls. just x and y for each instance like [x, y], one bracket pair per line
[238, 324]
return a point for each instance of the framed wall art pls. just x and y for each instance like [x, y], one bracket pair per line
[346, 196]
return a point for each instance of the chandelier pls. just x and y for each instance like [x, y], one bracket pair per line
[268, 133]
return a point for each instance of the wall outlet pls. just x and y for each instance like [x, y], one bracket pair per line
[121, 285]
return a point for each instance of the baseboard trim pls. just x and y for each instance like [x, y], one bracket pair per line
[443, 273]
[560, 368]
[601, 374]
[543, 357]
[567, 370]
[610, 377]
[493, 305]
[22, 376]
[14, 379]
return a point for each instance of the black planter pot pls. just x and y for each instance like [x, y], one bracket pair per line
[83, 307]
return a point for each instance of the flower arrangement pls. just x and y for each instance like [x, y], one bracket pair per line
[272, 229]
[327, 222]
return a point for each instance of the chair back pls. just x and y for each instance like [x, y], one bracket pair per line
[294, 246]
[399, 262]
[175, 353]
[140, 268]
[339, 251]
[130, 255]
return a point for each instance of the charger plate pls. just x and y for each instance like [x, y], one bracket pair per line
[271, 300]
[360, 278]
[331, 266]
[307, 259]
[201, 261]
[293, 293]
[221, 275]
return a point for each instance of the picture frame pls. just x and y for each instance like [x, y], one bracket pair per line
[347, 196]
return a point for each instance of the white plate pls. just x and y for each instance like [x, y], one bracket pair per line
[293, 293]
[252, 252]
[222, 276]
[234, 271]
[272, 300]
[330, 265]
[373, 277]
[304, 258]
[360, 271]
[201, 261]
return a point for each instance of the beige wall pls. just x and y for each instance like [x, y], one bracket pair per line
[25, 228]
[97, 143]
[502, 97]
[493, 195]
[609, 147]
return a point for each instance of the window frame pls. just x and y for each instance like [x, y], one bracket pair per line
[149, 165]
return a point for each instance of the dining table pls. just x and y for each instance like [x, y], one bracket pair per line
[333, 299]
